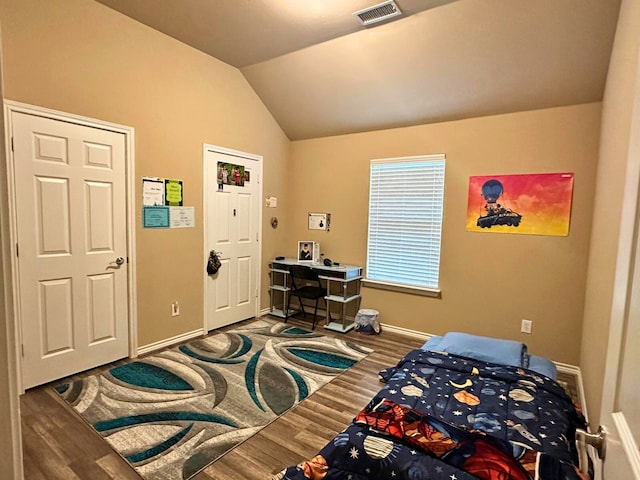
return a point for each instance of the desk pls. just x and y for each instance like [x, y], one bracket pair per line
[343, 288]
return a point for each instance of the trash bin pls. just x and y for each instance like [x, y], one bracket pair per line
[367, 321]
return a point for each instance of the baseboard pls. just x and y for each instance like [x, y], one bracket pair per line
[167, 342]
[576, 372]
[406, 331]
[567, 368]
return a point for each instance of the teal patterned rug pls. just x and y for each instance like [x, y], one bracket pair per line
[173, 413]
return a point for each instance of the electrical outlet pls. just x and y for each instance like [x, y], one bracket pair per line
[175, 309]
[526, 326]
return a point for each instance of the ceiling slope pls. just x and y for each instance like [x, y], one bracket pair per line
[321, 73]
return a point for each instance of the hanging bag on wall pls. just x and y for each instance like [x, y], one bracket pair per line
[213, 264]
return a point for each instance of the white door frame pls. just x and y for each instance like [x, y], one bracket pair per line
[205, 170]
[14, 457]
[128, 132]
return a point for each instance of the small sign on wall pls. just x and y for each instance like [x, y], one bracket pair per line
[155, 217]
[173, 193]
[182, 217]
[271, 202]
[152, 191]
[319, 221]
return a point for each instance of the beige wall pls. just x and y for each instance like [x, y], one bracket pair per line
[616, 137]
[489, 281]
[81, 57]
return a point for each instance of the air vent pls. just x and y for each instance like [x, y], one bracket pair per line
[378, 13]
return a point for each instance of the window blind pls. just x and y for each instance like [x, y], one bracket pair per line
[405, 220]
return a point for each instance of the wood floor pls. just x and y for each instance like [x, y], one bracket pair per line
[58, 444]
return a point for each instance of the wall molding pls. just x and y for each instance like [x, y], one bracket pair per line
[406, 331]
[576, 372]
[168, 342]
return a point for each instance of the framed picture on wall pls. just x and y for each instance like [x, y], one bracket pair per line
[528, 203]
[308, 251]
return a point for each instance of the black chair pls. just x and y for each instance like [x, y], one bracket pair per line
[306, 284]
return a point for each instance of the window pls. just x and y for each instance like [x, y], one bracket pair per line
[405, 223]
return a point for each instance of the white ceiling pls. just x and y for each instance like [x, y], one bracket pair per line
[321, 73]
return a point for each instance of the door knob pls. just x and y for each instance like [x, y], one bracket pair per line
[597, 440]
[119, 261]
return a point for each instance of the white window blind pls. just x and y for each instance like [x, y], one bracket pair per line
[405, 221]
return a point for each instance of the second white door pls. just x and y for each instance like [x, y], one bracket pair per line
[232, 202]
[71, 231]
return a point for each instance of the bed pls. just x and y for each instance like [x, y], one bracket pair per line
[461, 407]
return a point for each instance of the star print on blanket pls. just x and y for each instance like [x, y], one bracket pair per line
[446, 417]
[473, 452]
[509, 403]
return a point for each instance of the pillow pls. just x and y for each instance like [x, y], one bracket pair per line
[487, 349]
[544, 366]
[432, 343]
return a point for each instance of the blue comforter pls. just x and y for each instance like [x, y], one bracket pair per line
[447, 417]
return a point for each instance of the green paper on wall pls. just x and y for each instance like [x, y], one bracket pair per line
[173, 193]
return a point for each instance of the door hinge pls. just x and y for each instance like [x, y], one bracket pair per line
[17, 251]
[22, 349]
[12, 144]
[257, 237]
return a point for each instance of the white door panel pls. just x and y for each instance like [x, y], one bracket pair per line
[56, 316]
[232, 223]
[221, 234]
[101, 314]
[244, 222]
[70, 194]
[244, 276]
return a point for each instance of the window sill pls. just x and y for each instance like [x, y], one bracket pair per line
[396, 287]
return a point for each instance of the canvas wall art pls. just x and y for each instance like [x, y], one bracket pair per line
[534, 203]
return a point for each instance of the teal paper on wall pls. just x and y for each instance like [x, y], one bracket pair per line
[155, 217]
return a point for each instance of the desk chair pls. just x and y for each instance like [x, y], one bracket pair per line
[306, 284]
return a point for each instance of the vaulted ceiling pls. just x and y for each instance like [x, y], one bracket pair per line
[321, 72]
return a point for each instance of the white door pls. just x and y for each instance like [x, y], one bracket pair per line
[620, 415]
[70, 201]
[232, 215]
[621, 394]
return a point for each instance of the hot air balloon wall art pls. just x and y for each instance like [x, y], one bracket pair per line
[534, 203]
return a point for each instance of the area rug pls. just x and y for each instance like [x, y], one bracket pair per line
[173, 413]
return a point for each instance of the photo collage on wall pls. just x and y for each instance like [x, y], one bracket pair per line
[231, 174]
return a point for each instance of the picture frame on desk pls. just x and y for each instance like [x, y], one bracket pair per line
[308, 251]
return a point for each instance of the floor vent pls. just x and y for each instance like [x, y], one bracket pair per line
[378, 13]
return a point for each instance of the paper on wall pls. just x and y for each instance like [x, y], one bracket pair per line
[182, 217]
[152, 191]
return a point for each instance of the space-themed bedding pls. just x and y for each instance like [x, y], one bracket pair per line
[442, 416]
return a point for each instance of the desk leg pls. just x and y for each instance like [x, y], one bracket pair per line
[271, 300]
